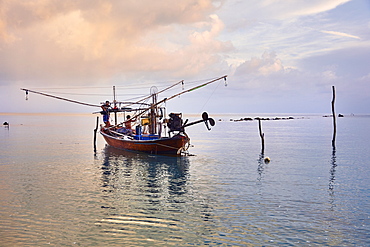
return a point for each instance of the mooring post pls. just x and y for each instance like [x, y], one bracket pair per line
[334, 119]
[262, 135]
[95, 130]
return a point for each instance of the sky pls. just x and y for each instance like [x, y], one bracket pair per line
[280, 56]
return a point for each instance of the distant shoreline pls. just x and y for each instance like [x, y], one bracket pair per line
[254, 114]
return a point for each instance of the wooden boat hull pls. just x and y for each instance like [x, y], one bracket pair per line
[166, 145]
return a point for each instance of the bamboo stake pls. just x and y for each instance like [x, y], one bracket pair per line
[262, 135]
[334, 119]
[95, 130]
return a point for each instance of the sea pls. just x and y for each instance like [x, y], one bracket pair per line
[56, 190]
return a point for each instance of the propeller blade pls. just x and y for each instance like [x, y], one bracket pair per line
[205, 116]
[207, 125]
[207, 120]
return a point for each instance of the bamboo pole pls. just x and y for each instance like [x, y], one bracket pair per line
[57, 97]
[95, 130]
[115, 105]
[176, 95]
[262, 135]
[334, 119]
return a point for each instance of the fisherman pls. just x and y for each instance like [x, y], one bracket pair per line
[105, 113]
[128, 124]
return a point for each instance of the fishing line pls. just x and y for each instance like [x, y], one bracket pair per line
[218, 84]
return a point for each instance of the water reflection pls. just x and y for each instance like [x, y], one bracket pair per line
[260, 167]
[155, 167]
[262, 161]
[332, 178]
[148, 199]
[157, 177]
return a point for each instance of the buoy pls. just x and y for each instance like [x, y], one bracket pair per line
[267, 160]
[6, 123]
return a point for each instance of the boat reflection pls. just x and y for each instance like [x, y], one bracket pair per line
[149, 200]
[155, 177]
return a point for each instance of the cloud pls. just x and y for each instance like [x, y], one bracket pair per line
[266, 84]
[74, 40]
[303, 8]
[341, 34]
[292, 28]
[252, 11]
[266, 65]
[268, 76]
[330, 75]
[62, 40]
[365, 78]
[274, 48]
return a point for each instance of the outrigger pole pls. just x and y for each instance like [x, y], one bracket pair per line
[142, 110]
[87, 104]
[176, 95]
[56, 97]
[167, 88]
[192, 89]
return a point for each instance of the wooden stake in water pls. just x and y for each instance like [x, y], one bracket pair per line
[95, 130]
[262, 135]
[334, 119]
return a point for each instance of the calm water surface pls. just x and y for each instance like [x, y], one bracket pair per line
[54, 190]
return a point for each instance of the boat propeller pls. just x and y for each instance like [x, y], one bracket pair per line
[207, 121]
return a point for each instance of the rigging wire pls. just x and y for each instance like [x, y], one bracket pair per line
[123, 87]
[142, 100]
[214, 90]
[87, 94]
[176, 95]
[94, 94]
[70, 88]
[97, 94]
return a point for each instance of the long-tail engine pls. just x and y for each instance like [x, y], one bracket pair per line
[175, 122]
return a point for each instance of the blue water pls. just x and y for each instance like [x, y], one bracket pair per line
[55, 190]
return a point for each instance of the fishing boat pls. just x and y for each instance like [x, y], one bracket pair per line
[151, 141]
[145, 127]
